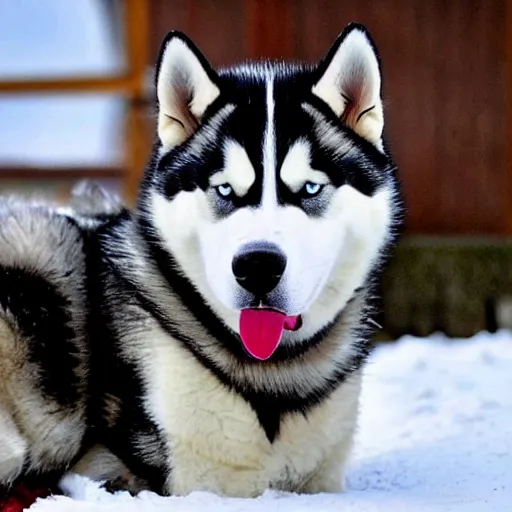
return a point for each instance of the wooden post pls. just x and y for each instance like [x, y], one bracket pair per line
[508, 46]
[136, 134]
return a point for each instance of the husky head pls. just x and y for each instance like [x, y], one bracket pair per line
[270, 185]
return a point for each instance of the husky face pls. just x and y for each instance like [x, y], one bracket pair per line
[270, 185]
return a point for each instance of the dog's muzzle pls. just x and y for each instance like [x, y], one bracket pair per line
[258, 267]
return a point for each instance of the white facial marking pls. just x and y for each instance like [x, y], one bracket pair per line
[269, 195]
[296, 170]
[186, 240]
[238, 171]
[331, 255]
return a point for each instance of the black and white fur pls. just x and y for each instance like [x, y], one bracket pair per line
[120, 355]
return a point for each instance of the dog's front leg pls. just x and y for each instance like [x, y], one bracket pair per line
[330, 475]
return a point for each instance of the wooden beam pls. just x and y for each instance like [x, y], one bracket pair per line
[123, 84]
[136, 33]
[137, 143]
[21, 173]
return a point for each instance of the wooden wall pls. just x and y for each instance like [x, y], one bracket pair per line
[444, 65]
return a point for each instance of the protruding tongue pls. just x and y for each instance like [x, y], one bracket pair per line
[261, 330]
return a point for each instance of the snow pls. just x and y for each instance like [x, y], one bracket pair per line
[435, 435]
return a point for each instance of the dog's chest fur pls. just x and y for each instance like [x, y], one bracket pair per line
[215, 440]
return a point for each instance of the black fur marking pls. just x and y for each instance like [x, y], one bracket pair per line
[269, 408]
[185, 169]
[190, 165]
[43, 318]
[364, 167]
[115, 377]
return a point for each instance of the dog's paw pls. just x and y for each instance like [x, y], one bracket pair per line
[330, 486]
[324, 481]
[128, 483]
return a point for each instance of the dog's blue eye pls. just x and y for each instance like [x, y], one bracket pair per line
[312, 189]
[224, 191]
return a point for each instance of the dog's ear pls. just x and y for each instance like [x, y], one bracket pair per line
[186, 86]
[349, 82]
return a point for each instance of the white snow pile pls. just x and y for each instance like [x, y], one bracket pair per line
[435, 434]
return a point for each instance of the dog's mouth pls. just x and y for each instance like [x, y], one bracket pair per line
[261, 330]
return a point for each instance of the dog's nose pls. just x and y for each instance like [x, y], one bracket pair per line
[258, 267]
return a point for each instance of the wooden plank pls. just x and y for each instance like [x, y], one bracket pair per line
[54, 173]
[138, 136]
[121, 84]
[271, 29]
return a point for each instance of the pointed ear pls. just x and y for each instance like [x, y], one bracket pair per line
[350, 83]
[185, 85]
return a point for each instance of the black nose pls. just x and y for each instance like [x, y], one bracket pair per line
[258, 267]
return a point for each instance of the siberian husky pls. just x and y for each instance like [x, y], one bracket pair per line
[212, 339]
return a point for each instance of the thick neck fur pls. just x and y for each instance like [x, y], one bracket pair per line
[297, 378]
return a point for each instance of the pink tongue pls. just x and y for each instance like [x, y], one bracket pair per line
[261, 330]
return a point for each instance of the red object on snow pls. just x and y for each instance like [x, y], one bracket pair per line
[21, 498]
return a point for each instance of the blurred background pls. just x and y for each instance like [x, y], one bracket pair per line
[76, 102]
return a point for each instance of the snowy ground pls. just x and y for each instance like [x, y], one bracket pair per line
[436, 435]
